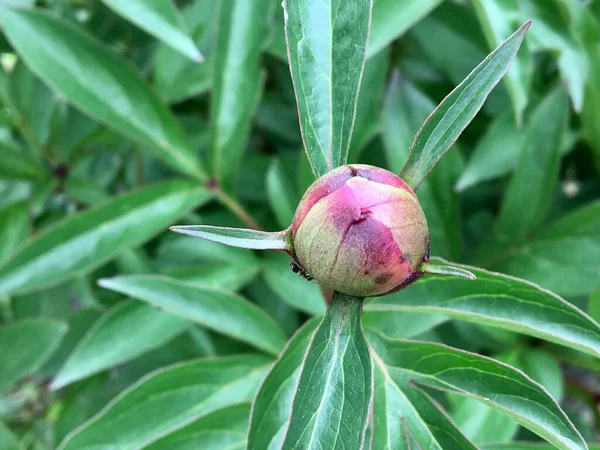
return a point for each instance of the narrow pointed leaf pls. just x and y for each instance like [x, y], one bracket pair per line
[404, 414]
[219, 310]
[87, 240]
[161, 19]
[492, 299]
[531, 189]
[494, 383]
[332, 404]
[103, 346]
[405, 108]
[439, 269]
[327, 43]
[237, 82]
[272, 405]
[237, 237]
[169, 399]
[453, 115]
[26, 345]
[98, 83]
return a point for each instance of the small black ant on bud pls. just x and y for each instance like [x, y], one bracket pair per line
[296, 268]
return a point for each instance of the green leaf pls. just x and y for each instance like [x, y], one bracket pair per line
[594, 305]
[161, 19]
[291, 287]
[26, 345]
[8, 441]
[543, 368]
[563, 257]
[327, 44]
[237, 82]
[531, 189]
[528, 446]
[168, 400]
[219, 310]
[224, 429]
[333, 400]
[497, 152]
[176, 78]
[103, 347]
[407, 418]
[498, 18]
[87, 240]
[495, 300]
[271, 407]
[282, 197]
[456, 111]
[17, 164]
[589, 116]
[32, 104]
[232, 277]
[482, 423]
[15, 228]
[553, 32]
[237, 237]
[98, 83]
[367, 121]
[391, 19]
[494, 383]
[405, 108]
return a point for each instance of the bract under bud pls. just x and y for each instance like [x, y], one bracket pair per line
[360, 230]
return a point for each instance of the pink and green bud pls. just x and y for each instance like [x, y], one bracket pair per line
[360, 230]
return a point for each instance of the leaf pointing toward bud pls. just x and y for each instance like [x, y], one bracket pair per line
[238, 237]
[446, 270]
[447, 122]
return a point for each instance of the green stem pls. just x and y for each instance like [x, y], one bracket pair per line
[236, 208]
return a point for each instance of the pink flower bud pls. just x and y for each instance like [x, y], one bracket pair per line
[360, 230]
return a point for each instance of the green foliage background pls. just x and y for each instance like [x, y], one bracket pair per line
[111, 130]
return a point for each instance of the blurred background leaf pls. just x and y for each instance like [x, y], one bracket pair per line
[111, 131]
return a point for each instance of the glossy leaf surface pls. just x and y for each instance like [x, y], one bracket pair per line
[98, 83]
[161, 19]
[84, 241]
[103, 348]
[237, 82]
[237, 237]
[333, 399]
[456, 111]
[497, 385]
[327, 44]
[168, 400]
[219, 310]
[492, 299]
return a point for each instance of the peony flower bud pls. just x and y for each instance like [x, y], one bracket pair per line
[360, 230]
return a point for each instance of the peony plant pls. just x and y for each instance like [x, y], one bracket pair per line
[359, 231]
